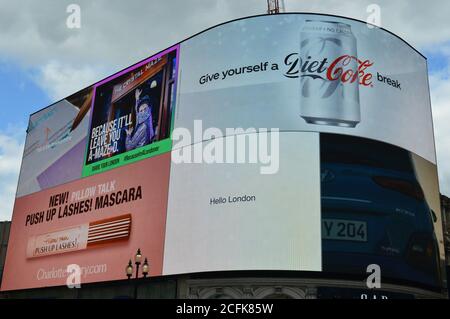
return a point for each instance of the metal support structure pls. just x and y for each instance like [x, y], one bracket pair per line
[275, 6]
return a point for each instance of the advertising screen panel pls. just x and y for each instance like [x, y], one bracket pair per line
[55, 144]
[380, 205]
[97, 223]
[236, 218]
[132, 114]
[307, 73]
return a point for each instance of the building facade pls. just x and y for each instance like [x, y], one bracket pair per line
[274, 156]
[4, 235]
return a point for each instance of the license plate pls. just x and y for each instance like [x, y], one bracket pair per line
[341, 229]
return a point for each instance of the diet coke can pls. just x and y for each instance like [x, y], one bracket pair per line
[329, 83]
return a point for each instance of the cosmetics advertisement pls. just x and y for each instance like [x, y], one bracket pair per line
[307, 73]
[132, 114]
[55, 144]
[97, 223]
[224, 216]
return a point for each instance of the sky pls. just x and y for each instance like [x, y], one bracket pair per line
[42, 60]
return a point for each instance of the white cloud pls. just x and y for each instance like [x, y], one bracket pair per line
[123, 32]
[115, 34]
[11, 149]
[60, 80]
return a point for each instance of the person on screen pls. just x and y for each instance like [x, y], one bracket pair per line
[143, 132]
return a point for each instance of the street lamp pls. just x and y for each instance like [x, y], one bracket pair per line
[129, 269]
[145, 268]
[137, 262]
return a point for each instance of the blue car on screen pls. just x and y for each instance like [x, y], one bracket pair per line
[374, 212]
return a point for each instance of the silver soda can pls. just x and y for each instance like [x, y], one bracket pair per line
[329, 83]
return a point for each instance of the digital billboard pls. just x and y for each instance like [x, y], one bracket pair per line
[236, 218]
[97, 223]
[132, 114]
[300, 72]
[344, 174]
[55, 144]
[380, 205]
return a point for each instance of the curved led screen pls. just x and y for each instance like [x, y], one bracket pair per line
[299, 142]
